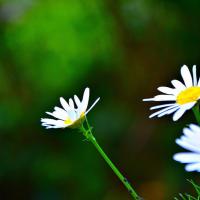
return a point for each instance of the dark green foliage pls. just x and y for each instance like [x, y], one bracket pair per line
[188, 196]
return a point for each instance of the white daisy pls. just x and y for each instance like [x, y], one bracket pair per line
[71, 115]
[183, 96]
[190, 141]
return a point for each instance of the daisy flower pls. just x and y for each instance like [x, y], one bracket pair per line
[183, 96]
[72, 113]
[191, 142]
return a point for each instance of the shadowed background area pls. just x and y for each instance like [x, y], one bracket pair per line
[123, 50]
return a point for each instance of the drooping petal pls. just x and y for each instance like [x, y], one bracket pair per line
[169, 111]
[162, 110]
[193, 167]
[187, 157]
[57, 126]
[52, 123]
[182, 110]
[178, 114]
[49, 121]
[161, 106]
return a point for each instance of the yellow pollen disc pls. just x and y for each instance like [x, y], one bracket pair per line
[188, 95]
[68, 121]
[82, 115]
[74, 123]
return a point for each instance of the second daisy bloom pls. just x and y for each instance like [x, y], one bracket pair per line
[190, 140]
[183, 96]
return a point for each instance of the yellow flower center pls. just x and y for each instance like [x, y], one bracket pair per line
[189, 95]
[82, 115]
[68, 121]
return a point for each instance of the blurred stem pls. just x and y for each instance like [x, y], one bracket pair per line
[89, 136]
[196, 112]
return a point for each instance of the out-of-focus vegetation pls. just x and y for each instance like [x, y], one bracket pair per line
[122, 50]
[188, 196]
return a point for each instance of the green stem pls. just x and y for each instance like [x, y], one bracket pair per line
[196, 113]
[89, 136]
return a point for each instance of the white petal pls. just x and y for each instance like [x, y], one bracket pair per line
[188, 132]
[162, 111]
[77, 100]
[57, 115]
[54, 126]
[161, 106]
[92, 106]
[72, 115]
[195, 128]
[48, 121]
[186, 75]
[60, 110]
[182, 110]
[84, 103]
[48, 127]
[71, 104]
[168, 111]
[194, 72]
[57, 126]
[192, 167]
[187, 157]
[188, 106]
[178, 114]
[64, 104]
[168, 90]
[164, 98]
[193, 141]
[191, 135]
[51, 123]
[187, 146]
[148, 99]
[178, 85]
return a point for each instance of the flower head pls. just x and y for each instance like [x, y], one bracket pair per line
[191, 142]
[72, 113]
[183, 96]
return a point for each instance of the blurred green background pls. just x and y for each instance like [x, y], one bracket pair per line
[122, 50]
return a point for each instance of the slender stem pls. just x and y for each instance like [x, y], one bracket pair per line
[196, 113]
[89, 136]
